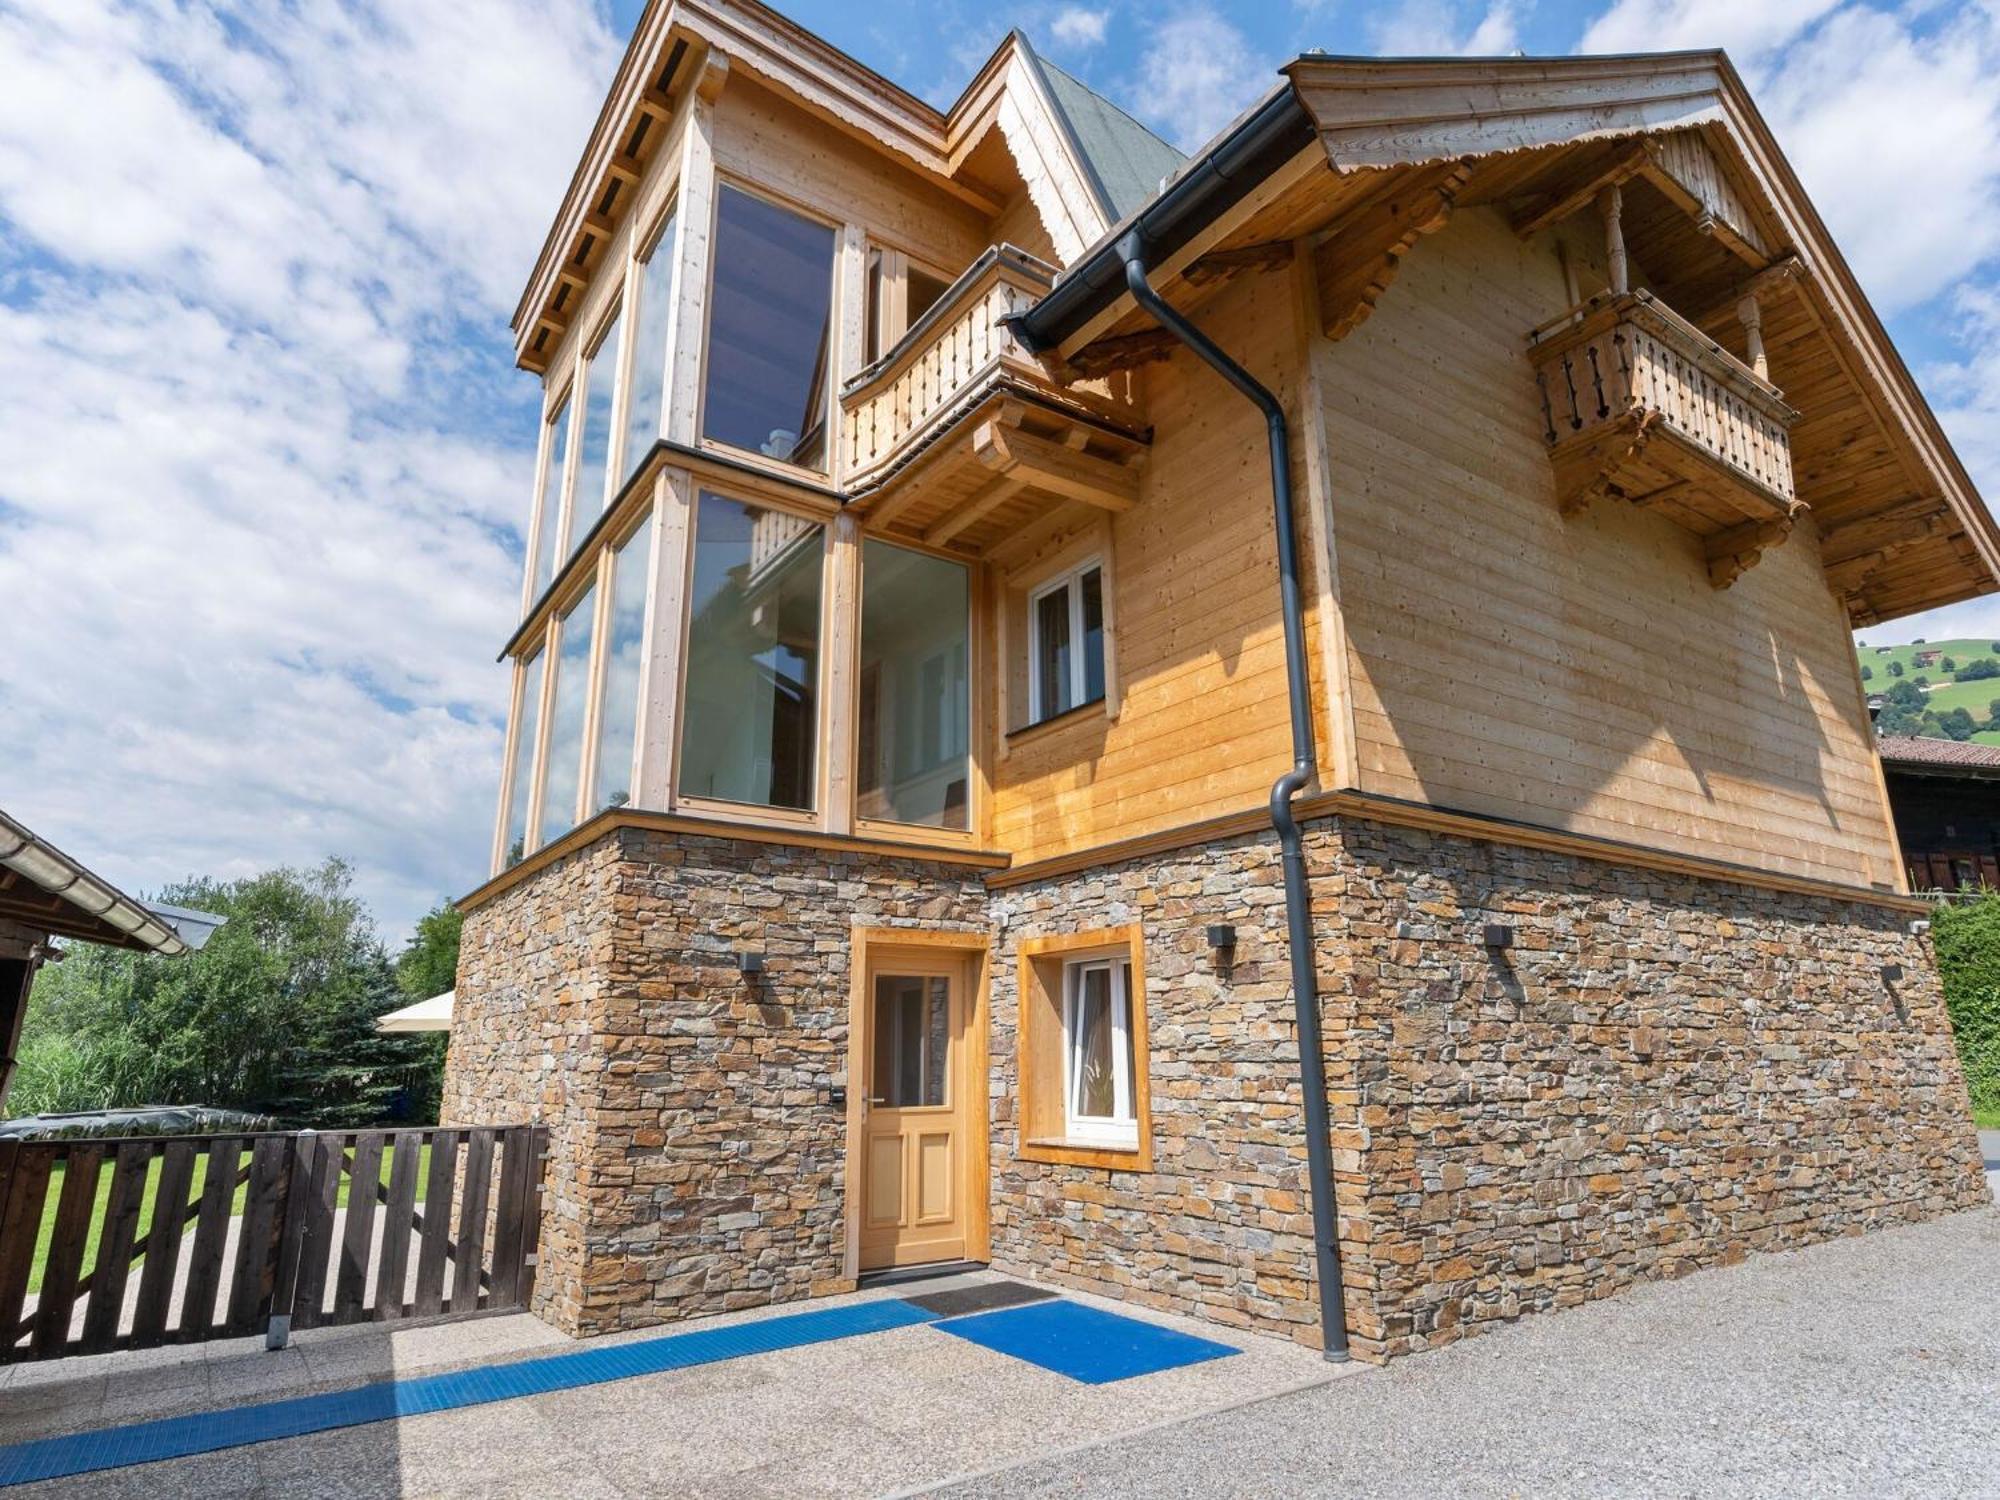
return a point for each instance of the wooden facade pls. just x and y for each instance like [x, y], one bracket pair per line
[1599, 455]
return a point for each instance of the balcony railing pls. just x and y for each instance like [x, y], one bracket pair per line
[1621, 372]
[959, 351]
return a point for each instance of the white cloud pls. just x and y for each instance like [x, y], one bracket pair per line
[1078, 28]
[264, 450]
[1436, 28]
[1196, 74]
[1746, 29]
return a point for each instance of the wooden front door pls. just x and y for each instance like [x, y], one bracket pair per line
[915, 1126]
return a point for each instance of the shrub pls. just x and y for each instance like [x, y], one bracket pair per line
[1956, 724]
[1895, 669]
[1968, 953]
[1978, 671]
[1867, 674]
[1948, 663]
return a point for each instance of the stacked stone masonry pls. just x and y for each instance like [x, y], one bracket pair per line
[1659, 1074]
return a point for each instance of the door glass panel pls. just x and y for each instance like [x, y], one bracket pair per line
[593, 454]
[1092, 584]
[572, 687]
[912, 1041]
[922, 292]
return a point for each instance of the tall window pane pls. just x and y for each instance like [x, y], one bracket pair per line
[624, 659]
[527, 721]
[552, 490]
[914, 707]
[770, 316]
[748, 727]
[1053, 694]
[649, 351]
[593, 450]
[565, 758]
[1091, 585]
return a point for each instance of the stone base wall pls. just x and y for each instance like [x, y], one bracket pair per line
[699, 1161]
[1661, 1074]
[1220, 1226]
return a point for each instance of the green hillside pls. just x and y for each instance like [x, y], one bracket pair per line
[1942, 692]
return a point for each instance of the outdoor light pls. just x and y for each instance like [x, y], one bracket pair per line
[750, 963]
[1499, 935]
[1891, 973]
[1221, 937]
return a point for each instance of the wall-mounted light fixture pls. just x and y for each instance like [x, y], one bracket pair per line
[1222, 937]
[752, 964]
[1498, 935]
[1892, 973]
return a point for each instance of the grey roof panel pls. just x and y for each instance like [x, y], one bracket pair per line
[1127, 161]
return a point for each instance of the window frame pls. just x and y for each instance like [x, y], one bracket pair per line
[1046, 1130]
[585, 597]
[819, 478]
[558, 411]
[1070, 580]
[896, 264]
[723, 808]
[662, 236]
[579, 387]
[1119, 1129]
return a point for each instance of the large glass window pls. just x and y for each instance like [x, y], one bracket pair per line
[550, 522]
[751, 707]
[593, 445]
[770, 316]
[914, 711]
[527, 724]
[624, 660]
[566, 709]
[1098, 1052]
[643, 425]
[1066, 642]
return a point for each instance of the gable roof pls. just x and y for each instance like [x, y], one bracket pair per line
[1126, 163]
[1908, 752]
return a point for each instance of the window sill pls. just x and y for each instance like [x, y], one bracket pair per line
[1083, 710]
[1061, 1151]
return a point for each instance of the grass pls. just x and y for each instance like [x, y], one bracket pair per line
[1987, 1118]
[200, 1176]
[1964, 652]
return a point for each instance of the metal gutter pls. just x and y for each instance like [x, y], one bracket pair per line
[1262, 141]
[43, 865]
[1305, 770]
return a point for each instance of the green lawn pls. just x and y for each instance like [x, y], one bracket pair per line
[146, 1205]
[1986, 1119]
[1974, 697]
[1963, 652]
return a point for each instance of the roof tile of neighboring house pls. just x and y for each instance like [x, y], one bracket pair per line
[1127, 160]
[1908, 750]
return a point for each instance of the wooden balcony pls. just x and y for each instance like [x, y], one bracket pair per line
[1638, 404]
[959, 436]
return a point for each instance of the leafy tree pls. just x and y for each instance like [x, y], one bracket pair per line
[1948, 663]
[1978, 671]
[1957, 724]
[1904, 695]
[428, 964]
[1895, 669]
[275, 1015]
[1867, 674]
[1993, 713]
[1996, 646]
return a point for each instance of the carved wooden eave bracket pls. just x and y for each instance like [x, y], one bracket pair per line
[1734, 552]
[1016, 455]
[1359, 254]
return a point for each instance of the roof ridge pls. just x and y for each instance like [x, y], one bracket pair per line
[1108, 102]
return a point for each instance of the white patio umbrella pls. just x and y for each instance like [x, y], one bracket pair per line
[433, 1014]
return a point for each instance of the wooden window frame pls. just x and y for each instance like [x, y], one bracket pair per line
[587, 351]
[655, 241]
[1071, 581]
[892, 315]
[730, 181]
[1041, 1050]
[556, 410]
[586, 591]
[812, 819]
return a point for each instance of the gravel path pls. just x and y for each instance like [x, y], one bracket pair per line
[1867, 1367]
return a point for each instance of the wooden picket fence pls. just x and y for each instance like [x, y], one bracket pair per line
[272, 1248]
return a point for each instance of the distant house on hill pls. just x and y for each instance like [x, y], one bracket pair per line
[1945, 795]
[1928, 658]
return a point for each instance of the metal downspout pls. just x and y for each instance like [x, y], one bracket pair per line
[1305, 766]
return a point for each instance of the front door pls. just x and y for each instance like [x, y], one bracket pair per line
[914, 1127]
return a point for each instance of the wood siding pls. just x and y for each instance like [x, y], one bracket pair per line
[1199, 723]
[1577, 673]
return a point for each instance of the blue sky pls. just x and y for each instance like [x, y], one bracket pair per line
[267, 458]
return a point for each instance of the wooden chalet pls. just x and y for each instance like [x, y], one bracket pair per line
[1133, 717]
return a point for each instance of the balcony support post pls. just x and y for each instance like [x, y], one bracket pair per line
[1751, 315]
[1611, 208]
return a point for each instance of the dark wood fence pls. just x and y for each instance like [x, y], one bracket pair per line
[126, 1244]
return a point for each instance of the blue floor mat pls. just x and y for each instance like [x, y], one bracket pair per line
[1083, 1343]
[209, 1431]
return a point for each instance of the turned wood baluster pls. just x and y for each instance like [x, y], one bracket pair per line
[1752, 317]
[1611, 207]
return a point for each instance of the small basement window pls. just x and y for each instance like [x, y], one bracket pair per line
[1066, 642]
[1084, 1097]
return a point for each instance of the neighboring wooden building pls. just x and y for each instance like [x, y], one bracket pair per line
[884, 870]
[1946, 798]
